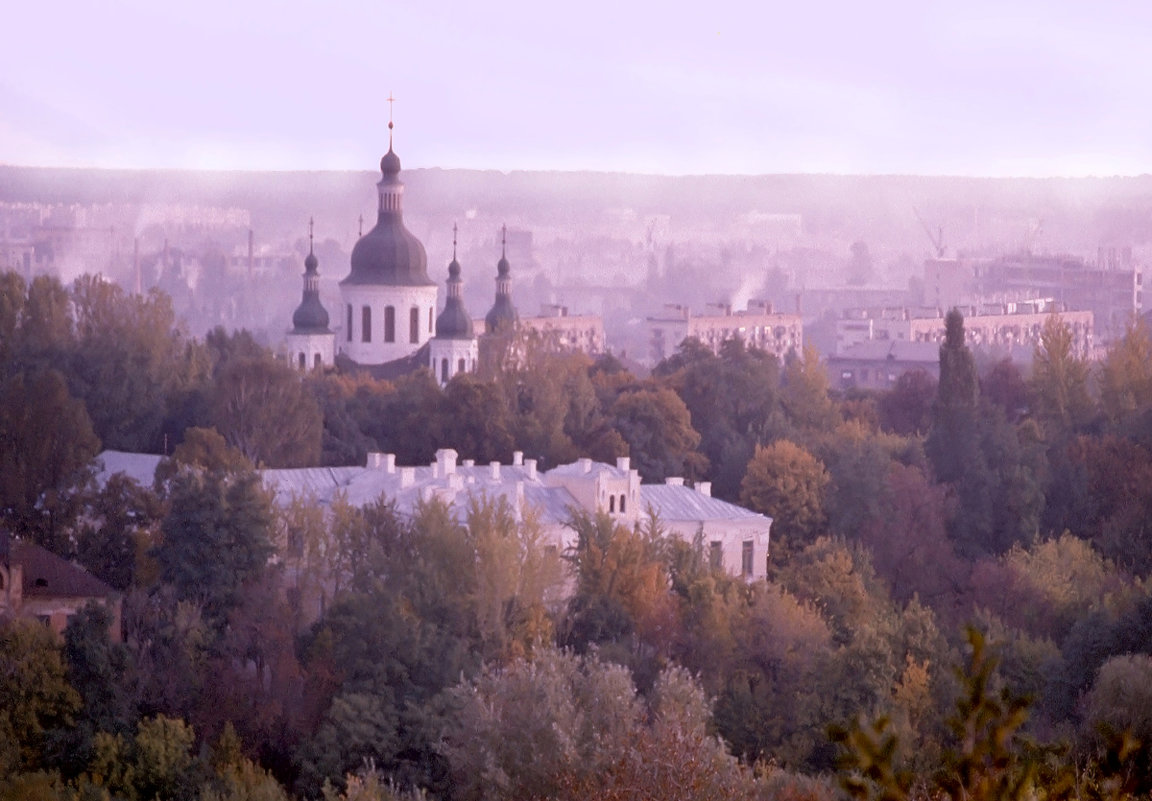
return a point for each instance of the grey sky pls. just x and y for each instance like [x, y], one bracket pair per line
[974, 87]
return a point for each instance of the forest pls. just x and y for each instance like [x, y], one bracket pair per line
[957, 602]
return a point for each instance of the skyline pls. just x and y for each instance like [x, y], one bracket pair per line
[990, 89]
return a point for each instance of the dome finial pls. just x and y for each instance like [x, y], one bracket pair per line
[453, 241]
[310, 224]
[391, 100]
[504, 241]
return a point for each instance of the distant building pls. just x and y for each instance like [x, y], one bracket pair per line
[759, 327]
[878, 364]
[1111, 287]
[562, 331]
[1006, 328]
[36, 583]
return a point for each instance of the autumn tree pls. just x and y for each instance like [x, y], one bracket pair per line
[1060, 380]
[906, 409]
[1126, 375]
[787, 483]
[804, 391]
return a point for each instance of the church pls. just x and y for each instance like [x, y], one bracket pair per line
[389, 321]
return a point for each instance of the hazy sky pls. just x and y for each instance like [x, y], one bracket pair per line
[960, 87]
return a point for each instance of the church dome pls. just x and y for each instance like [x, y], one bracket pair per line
[389, 254]
[454, 322]
[310, 316]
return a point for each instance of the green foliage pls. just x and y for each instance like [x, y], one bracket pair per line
[118, 526]
[35, 696]
[952, 439]
[46, 447]
[733, 421]
[261, 408]
[216, 537]
[658, 429]
[986, 762]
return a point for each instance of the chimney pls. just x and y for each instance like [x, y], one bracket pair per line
[530, 466]
[468, 463]
[382, 461]
[623, 463]
[407, 477]
[674, 481]
[445, 462]
[585, 465]
[517, 458]
[704, 488]
[495, 470]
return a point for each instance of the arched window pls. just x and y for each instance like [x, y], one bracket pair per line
[389, 324]
[444, 371]
[414, 325]
[611, 504]
[317, 362]
[621, 504]
[349, 326]
[460, 368]
[303, 361]
[366, 324]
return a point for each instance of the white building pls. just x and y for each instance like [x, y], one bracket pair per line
[736, 539]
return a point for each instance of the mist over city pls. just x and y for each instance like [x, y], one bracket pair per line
[410, 401]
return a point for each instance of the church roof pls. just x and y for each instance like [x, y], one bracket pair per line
[389, 254]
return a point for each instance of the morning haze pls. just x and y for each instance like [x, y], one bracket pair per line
[736, 401]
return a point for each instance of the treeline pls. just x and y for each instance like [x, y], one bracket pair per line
[284, 651]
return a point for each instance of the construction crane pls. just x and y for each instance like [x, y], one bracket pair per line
[937, 238]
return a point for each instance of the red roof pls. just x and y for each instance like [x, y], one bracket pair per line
[46, 575]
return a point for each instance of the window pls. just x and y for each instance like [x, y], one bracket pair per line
[389, 324]
[460, 368]
[444, 371]
[746, 559]
[414, 325]
[366, 324]
[349, 326]
[716, 554]
[317, 362]
[303, 361]
[611, 504]
[621, 504]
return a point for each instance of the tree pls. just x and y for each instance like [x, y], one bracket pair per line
[951, 442]
[35, 696]
[733, 421]
[804, 392]
[787, 483]
[215, 537]
[46, 447]
[1059, 380]
[1126, 375]
[906, 409]
[117, 529]
[658, 429]
[261, 408]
